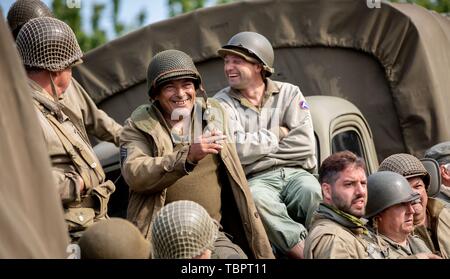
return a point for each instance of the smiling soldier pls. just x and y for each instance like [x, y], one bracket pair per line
[173, 149]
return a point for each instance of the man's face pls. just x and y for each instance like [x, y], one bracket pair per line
[240, 73]
[418, 186]
[177, 95]
[445, 174]
[62, 80]
[349, 192]
[396, 222]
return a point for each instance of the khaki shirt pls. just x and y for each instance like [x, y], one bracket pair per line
[64, 171]
[330, 240]
[437, 236]
[150, 165]
[414, 246]
[255, 130]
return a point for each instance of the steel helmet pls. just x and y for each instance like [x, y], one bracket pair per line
[48, 43]
[23, 10]
[385, 189]
[113, 238]
[251, 45]
[406, 165]
[439, 152]
[182, 230]
[170, 65]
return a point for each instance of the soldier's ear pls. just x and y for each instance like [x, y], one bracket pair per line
[326, 191]
[445, 173]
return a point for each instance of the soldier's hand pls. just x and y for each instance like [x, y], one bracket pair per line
[81, 183]
[283, 132]
[208, 143]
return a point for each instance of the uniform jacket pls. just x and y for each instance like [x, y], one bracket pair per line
[64, 171]
[333, 237]
[437, 237]
[397, 251]
[256, 130]
[72, 160]
[149, 166]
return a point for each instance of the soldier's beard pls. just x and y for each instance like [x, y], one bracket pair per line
[347, 207]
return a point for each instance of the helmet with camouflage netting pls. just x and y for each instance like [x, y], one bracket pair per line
[182, 230]
[170, 65]
[48, 43]
[24, 10]
[406, 165]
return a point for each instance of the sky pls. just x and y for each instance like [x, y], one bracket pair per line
[156, 10]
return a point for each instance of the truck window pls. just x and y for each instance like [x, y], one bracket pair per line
[348, 140]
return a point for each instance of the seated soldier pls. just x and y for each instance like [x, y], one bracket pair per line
[432, 216]
[338, 230]
[173, 149]
[390, 209]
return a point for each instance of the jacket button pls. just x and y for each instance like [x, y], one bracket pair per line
[256, 214]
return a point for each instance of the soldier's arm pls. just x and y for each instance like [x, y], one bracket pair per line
[250, 146]
[299, 143]
[143, 171]
[70, 185]
[97, 122]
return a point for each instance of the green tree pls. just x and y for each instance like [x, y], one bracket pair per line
[440, 6]
[98, 35]
[177, 7]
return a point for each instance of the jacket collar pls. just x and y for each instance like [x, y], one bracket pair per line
[271, 89]
[46, 101]
[357, 225]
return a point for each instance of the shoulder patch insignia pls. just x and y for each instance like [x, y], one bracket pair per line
[304, 105]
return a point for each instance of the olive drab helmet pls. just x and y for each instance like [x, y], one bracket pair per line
[170, 65]
[385, 189]
[406, 165]
[113, 238]
[182, 230]
[48, 43]
[24, 10]
[250, 45]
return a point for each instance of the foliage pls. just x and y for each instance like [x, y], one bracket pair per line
[177, 7]
[440, 6]
[98, 36]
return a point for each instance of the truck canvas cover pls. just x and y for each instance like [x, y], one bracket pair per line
[31, 216]
[392, 62]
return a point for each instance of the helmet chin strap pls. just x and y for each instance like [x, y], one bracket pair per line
[205, 97]
[52, 84]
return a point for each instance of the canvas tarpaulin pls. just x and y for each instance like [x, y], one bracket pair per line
[31, 215]
[391, 62]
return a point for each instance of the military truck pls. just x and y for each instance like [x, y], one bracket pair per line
[376, 77]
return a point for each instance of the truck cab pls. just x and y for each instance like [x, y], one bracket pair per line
[339, 125]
